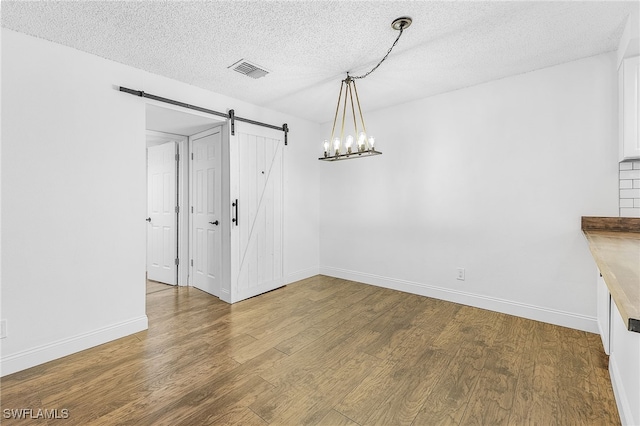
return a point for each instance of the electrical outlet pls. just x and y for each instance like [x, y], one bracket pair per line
[460, 274]
[3, 329]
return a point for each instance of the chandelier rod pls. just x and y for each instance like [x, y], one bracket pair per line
[344, 111]
[353, 111]
[355, 89]
[335, 118]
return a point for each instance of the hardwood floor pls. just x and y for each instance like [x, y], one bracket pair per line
[329, 352]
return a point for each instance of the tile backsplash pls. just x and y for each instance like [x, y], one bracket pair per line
[630, 189]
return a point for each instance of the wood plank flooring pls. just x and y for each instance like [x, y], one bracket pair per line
[325, 351]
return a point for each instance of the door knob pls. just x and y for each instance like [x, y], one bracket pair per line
[214, 223]
[148, 219]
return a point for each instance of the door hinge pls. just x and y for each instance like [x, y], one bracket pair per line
[177, 157]
[191, 209]
[191, 262]
[177, 261]
[177, 209]
[192, 155]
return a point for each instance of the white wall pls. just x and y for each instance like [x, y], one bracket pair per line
[73, 197]
[492, 178]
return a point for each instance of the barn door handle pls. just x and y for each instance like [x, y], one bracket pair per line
[235, 215]
[214, 223]
[148, 219]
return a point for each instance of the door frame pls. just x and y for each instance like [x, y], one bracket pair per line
[183, 215]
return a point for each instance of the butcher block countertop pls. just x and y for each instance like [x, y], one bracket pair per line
[615, 245]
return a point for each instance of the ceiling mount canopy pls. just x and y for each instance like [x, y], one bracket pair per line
[340, 148]
[401, 23]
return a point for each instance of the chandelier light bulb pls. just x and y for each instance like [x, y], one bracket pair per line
[362, 137]
[325, 145]
[336, 146]
[372, 142]
[348, 143]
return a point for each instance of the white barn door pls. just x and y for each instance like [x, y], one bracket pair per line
[256, 181]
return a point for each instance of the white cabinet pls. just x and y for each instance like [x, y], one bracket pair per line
[624, 368]
[628, 108]
[623, 348]
[604, 311]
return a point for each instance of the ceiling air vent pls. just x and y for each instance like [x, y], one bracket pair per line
[249, 69]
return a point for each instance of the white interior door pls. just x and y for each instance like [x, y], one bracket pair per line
[161, 202]
[206, 202]
[257, 170]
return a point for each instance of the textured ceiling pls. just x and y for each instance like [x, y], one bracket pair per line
[309, 45]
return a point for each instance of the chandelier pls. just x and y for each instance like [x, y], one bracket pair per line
[338, 147]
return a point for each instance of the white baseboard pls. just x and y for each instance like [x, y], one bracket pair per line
[45, 353]
[551, 316]
[301, 275]
[604, 338]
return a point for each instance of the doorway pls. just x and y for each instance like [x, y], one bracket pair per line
[168, 187]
